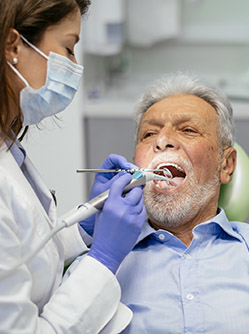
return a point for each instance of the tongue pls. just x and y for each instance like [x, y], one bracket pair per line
[175, 172]
[176, 181]
[172, 182]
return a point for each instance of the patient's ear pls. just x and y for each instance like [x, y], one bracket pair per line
[228, 164]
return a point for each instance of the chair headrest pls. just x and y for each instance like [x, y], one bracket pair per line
[234, 196]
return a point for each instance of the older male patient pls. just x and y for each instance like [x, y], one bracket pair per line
[189, 271]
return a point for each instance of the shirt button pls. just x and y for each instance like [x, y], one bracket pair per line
[161, 236]
[188, 256]
[190, 296]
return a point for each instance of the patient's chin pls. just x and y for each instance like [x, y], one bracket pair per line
[178, 208]
[167, 212]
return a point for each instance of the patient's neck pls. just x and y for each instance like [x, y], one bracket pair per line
[184, 230]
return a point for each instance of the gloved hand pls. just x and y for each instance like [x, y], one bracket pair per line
[118, 225]
[103, 182]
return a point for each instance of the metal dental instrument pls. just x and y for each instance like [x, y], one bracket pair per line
[98, 170]
[165, 171]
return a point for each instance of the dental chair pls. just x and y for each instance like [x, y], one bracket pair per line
[234, 196]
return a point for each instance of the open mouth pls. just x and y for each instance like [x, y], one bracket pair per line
[177, 172]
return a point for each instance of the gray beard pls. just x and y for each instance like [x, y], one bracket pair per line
[176, 209]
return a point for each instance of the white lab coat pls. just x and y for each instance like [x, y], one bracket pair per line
[34, 299]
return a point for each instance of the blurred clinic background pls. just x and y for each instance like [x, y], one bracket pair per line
[125, 44]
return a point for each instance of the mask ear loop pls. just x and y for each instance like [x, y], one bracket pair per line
[34, 47]
[18, 73]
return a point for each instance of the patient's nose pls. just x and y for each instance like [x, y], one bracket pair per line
[166, 140]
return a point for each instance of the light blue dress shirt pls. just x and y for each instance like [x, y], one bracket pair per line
[203, 288]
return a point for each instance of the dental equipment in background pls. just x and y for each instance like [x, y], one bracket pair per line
[139, 178]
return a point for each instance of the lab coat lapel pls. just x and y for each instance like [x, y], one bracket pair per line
[68, 240]
[16, 173]
[46, 200]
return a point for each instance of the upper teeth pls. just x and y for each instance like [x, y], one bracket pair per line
[170, 164]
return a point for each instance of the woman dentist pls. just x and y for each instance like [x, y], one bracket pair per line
[39, 76]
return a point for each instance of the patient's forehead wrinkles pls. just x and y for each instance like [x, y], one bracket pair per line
[182, 117]
[179, 110]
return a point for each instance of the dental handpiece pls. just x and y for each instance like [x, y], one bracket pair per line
[89, 208]
[86, 210]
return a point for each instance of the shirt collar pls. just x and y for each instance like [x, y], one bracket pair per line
[146, 231]
[212, 226]
[217, 223]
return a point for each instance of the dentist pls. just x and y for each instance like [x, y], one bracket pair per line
[39, 76]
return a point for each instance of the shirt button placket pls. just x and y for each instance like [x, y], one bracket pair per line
[190, 302]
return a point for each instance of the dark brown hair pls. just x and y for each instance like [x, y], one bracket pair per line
[30, 18]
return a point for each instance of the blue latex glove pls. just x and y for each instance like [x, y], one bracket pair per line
[118, 225]
[103, 182]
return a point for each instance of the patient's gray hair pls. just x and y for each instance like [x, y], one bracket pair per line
[181, 83]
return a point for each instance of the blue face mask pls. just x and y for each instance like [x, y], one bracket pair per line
[62, 82]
